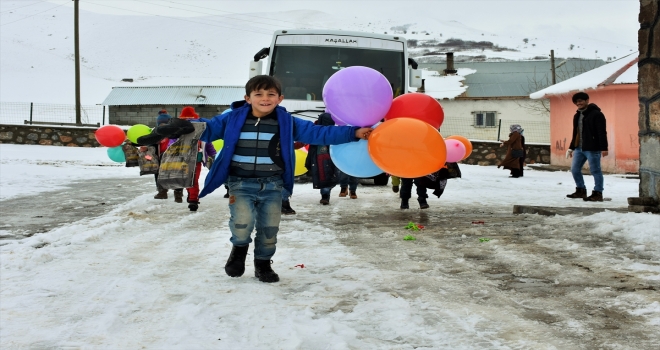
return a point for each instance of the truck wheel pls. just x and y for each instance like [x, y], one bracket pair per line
[381, 180]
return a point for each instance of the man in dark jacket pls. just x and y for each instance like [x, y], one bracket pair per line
[589, 143]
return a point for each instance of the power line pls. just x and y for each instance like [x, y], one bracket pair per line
[179, 19]
[34, 14]
[246, 15]
[179, 8]
[20, 7]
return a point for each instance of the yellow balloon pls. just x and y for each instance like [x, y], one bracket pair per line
[217, 144]
[301, 157]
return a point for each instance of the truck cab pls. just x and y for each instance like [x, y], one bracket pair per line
[304, 60]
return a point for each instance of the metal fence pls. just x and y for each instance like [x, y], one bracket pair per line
[47, 113]
[59, 114]
[535, 131]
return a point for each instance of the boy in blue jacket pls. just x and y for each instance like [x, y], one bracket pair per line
[257, 163]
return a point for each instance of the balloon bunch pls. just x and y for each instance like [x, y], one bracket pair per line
[358, 96]
[407, 144]
[113, 137]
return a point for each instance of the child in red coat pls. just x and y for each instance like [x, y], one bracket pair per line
[205, 154]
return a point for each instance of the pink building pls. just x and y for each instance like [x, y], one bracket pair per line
[613, 87]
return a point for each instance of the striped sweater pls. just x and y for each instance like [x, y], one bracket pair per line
[258, 151]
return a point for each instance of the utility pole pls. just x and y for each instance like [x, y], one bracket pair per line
[76, 40]
[552, 65]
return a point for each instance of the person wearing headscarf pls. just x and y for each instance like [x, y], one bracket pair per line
[514, 152]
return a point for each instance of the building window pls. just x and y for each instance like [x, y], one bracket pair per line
[485, 119]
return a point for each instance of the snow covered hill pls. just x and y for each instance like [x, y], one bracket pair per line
[37, 46]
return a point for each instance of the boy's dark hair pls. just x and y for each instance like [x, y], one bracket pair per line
[263, 82]
[580, 96]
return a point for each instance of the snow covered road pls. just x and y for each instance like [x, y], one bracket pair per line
[148, 273]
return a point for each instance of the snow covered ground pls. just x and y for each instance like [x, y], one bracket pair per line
[149, 273]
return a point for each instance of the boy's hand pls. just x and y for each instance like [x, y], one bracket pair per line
[363, 133]
[175, 128]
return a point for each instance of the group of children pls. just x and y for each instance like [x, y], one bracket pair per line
[257, 166]
[205, 155]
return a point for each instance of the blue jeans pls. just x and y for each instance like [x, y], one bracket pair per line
[285, 194]
[579, 158]
[326, 190]
[348, 181]
[255, 202]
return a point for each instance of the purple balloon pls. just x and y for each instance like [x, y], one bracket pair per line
[337, 120]
[358, 96]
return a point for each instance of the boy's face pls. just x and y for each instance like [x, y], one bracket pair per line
[581, 104]
[263, 101]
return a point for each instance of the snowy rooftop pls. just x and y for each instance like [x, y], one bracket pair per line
[171, 95]
[440, 86]
[513, 78]
[622, 71]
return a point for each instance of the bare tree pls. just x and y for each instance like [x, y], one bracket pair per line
[566, 69]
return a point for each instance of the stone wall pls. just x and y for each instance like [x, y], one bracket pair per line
[649, 108]
[146, 114]
[490, 153]
[48, 135]
[483, 153]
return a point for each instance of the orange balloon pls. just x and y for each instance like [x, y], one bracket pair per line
[407, 147]
[465, 142]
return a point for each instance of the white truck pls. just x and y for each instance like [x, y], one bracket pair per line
[303, 60]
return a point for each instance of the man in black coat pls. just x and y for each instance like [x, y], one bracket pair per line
[589, 143]
[325, 174]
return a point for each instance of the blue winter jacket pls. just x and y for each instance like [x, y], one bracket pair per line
[228, 127]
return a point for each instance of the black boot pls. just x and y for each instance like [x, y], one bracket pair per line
[422, 203]
[193, 206]
[264, 272]
[595, 197]
[579, 193]
[286, 208]
[395, 188]
[404, 203]
[325, 199]
[235, 266]
[178, 196]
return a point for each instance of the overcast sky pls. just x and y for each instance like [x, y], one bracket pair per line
[614, 21]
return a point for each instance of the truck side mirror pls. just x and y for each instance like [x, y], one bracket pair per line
[255, 68]
[415, 76]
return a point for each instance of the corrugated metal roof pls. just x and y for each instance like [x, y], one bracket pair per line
[515, 78]
[174, 95]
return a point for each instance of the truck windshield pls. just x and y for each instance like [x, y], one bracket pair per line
[303, 70]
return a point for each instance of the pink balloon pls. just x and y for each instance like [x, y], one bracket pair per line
[455, 150]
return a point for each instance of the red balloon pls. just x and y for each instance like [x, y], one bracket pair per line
[110, 135]
[407, 148]
[417, 106]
